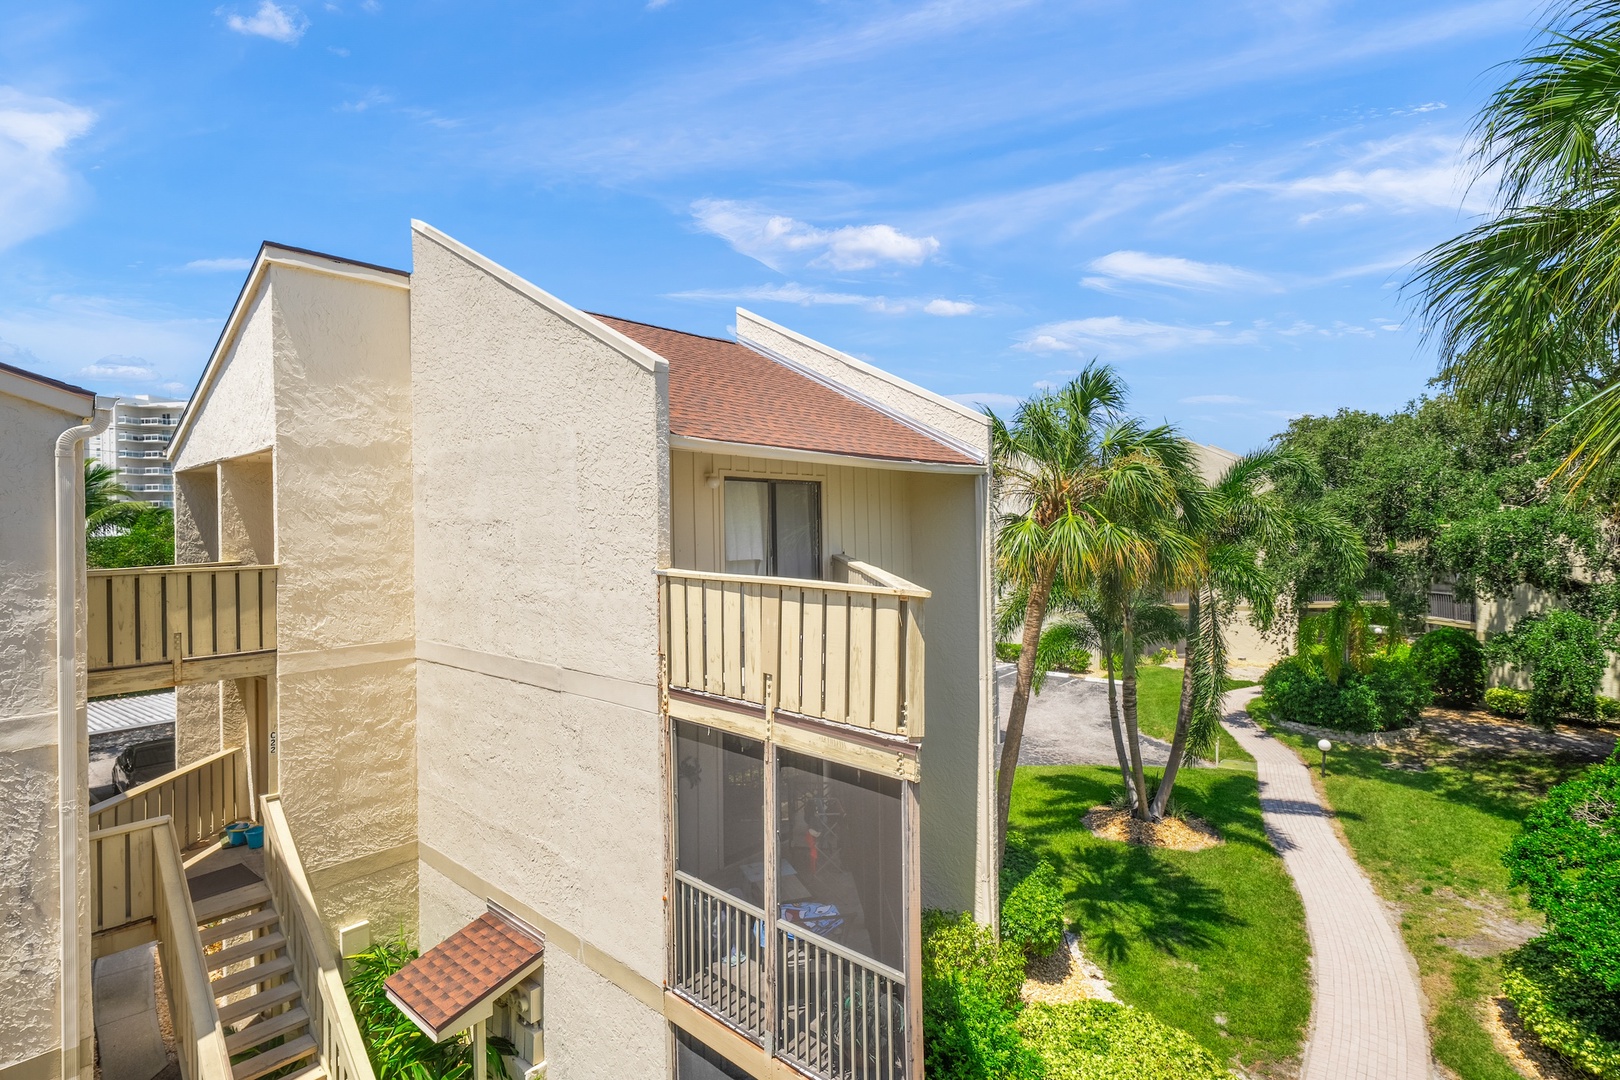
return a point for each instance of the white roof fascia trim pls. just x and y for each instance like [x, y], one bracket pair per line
[870, 369]
[51, 397]
[786, 453]
[632, 350]
[871, 403]
[269, 255]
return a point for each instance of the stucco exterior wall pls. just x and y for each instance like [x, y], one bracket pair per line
[30, 930]
[245, 387]
[538, 528]
[340, 495]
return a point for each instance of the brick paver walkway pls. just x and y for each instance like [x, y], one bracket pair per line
[1366, 1012]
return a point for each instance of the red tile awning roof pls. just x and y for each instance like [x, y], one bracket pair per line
[478, 961]
[726, 392]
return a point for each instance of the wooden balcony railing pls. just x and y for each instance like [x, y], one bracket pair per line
[315, 963]
[200, 799]
[158, 626]
[138, 894]
[849, 652]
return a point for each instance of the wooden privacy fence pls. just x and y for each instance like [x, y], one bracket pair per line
[136, 876]
[850, 652]
[155, 626]
[200, 799]
[315, 962]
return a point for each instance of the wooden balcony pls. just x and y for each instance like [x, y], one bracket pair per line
[848, 652]
[159, 626]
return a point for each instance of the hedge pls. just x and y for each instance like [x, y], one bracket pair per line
[970, 1002]
[1103, 1040]
[1514, 704]
[1391, 694]
[1453, 661]
[1032, 900]
[1567, 1013]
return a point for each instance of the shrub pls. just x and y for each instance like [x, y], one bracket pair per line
[1567, 1013]
[1608, 710]
[1569, 856]
[1103, 1040]
[1031, 900]
[1453, 661]
[971, 1002]
[1561, 652]
[1007, 651]
[1391, 694]
[1506, 701]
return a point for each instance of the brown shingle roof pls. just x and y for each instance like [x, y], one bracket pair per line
[441, 985]
[728, 392]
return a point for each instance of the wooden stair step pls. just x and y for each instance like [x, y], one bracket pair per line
[312, 1072]
[271, 1060]
[267, 1029]
[248, 950]
[250, 976]
[230, 903]
[258, 1003]
[258, 920]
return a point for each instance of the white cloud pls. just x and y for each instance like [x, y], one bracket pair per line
[37, 190]
[1141, 268]
[118, 367]
[1114, 336]
[367, 100]
[794, 293]
[1422, 171]
[1216, 399]
[771, 238]
[283, 24]
[62, 335]
[948, 308]
[211, 266]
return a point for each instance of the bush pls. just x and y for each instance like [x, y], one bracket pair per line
[1032, 900]
[1569, 856]
[1103, 1040]
[1453, 662]
[1567, 1013]
[1561, 653]
[1506, 701]
[1608, 710]
[1390, 695]
[1007, 651]
[971, 1002]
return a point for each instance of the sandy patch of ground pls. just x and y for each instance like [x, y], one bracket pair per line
[1178, 834]
[1065, 976]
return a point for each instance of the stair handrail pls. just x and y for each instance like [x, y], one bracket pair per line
[199, 1036]
[315, 963]
[203, 809]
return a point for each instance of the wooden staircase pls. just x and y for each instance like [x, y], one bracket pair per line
[260, 1003]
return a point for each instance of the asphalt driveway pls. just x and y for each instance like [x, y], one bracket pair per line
[1067, 722]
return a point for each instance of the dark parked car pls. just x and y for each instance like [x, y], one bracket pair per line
[142, 762]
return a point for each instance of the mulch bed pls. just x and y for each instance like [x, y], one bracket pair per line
[1178, 834]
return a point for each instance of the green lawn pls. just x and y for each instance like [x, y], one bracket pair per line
[1158, 696]
[1432, 843]
[1188, 936]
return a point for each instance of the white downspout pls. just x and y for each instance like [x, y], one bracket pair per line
[69, 533]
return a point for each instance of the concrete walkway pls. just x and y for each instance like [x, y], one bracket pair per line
[1366, 1009]
[125, 997]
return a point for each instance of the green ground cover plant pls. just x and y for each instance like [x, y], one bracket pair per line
[1431, 838]
[1212, 942]
[1099, 1040]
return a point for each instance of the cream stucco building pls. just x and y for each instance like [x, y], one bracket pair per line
[659, 661]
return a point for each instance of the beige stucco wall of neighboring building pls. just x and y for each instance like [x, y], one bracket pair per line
[539, 496]
[298, 452]
[30, 937]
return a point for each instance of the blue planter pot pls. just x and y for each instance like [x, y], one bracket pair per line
[255, 836]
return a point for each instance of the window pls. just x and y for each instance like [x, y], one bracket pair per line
[773, 528]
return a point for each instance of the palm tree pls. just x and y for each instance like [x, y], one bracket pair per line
[1088, 494]
[1079, 620]
[1246, 526]
[1526, 306]
[106, 501]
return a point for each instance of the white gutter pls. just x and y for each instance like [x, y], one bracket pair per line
[69, 534]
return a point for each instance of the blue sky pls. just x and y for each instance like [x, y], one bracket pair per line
[1219, 197]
